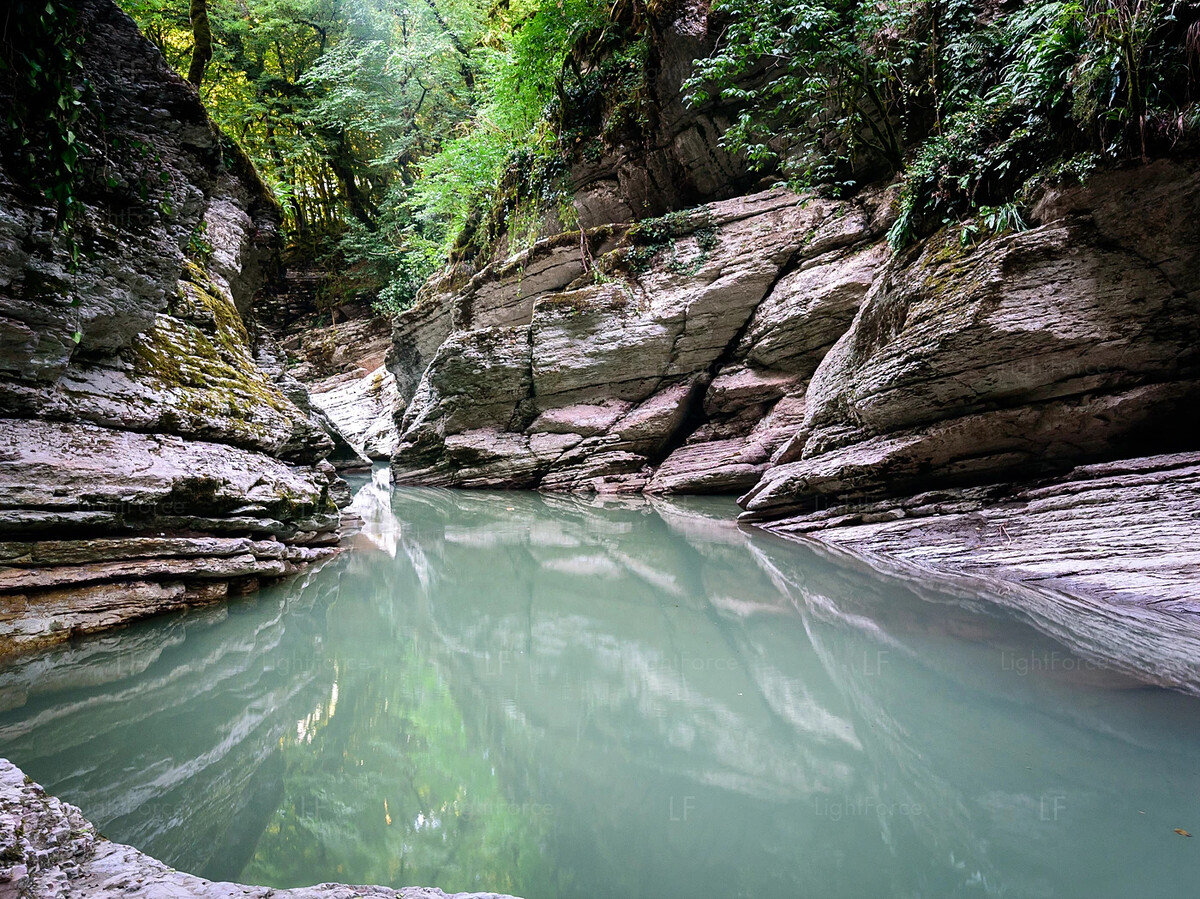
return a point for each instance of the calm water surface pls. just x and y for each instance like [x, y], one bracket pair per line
[559, 697]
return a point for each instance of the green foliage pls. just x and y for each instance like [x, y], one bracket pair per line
[972, 105]
[509, 151]
[651, 237]
[828, 91]
[198, 248]
[41, 71]
[987, 149]
[391, 131]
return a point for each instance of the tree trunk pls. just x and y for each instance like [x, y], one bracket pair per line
[202, 51]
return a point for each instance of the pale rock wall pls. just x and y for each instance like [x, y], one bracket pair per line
[774, 345]
[600, 380]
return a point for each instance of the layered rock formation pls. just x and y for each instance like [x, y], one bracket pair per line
[338, 354]
[139, 404]
[775, 345]
[1070, 342]
[675, 362]
[942, 426]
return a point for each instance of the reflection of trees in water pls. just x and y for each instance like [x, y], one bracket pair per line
[390, 787]
[169, 737]
[557, 696]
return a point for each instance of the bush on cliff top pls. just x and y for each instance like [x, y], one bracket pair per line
[974, 103]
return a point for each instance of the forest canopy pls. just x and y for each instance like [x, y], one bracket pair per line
[387, 128]
[380, 125]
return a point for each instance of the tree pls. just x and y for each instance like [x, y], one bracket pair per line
[202, 51]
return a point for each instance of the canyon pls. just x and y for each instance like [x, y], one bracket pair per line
[1011, 409]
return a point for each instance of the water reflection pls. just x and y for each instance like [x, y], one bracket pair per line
[554, 696]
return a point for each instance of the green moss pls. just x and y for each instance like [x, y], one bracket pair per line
[651, 237]
[585, 300]
[200, 356]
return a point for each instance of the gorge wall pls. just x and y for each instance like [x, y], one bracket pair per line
[152, 449]
[935, 404]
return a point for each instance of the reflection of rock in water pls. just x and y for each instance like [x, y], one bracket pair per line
[635, 665]
[373, 505]
[809, 685]
[210, 705]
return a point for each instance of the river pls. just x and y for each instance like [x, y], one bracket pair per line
[568, 697]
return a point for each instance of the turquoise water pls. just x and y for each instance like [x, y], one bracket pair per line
[559, 697]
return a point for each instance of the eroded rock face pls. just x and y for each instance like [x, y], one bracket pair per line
[1067, 343]
[341, 368]
[1122, 532]
[683, 377]
[775, 345]
[138, 398]
[62, 485]
[48, 850]
[664, 153]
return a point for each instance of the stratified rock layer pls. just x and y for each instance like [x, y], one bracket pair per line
[1074, 341]
[682, 377]
[137, 397]
[1123, 532]
[775, 346]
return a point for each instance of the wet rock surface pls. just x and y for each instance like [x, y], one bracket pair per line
[48, 850]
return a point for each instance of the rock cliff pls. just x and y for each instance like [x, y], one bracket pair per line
[677, 361]
[140, 402]
[774, 345]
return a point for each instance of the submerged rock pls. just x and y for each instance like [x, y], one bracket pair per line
[48, 850]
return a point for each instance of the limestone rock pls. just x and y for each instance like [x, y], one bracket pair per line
[94, 482]
[138, 400]
[590, 385]
[1119, 532]
[136, 481]
[1059, 345]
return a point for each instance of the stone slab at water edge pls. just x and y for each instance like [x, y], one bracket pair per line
[48, 850]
